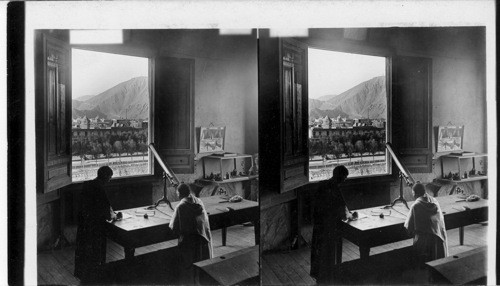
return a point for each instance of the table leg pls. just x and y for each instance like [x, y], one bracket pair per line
[129, 253]
[461, 235]
[224, 236]
[338, 251]
[197, 276]
[364, 252]
[256, 230]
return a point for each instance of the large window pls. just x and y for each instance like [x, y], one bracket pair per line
[347, 113]
[110, 114]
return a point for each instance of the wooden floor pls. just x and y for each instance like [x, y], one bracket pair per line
[278, 268]
[292, 267]
[56, 267]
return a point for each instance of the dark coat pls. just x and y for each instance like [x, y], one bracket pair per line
[90, 253]
[329, 211]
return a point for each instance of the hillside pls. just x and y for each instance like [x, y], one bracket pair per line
[314, 104]
[85, 97]
[129, 99]
[317, 113]
[326, 97]
[89, 113]
[365, 100]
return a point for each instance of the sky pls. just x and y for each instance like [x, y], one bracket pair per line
[335, 72]
[95, 72]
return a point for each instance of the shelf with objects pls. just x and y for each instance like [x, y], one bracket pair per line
[222, 169]
[463, 173]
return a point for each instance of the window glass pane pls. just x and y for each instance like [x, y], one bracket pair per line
[110, 114]
[347, 114]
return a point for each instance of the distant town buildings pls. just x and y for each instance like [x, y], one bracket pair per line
[328, 128]
[84, 126]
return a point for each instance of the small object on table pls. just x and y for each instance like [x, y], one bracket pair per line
[355, 215]
[146, 215]
[235, 199]
[119, 215]
[465, 175]
[380, 214]
[227, 175]
[472, 198]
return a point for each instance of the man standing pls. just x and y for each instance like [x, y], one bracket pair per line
[90, 253]
[425, 222]
[190, 222]
[329, 211]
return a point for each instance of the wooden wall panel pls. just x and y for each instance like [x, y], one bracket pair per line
[412, 112]
[174, 112]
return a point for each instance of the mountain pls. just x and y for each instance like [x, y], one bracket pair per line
[314, 104]
[365, 100]
[317, 113]
[129, 99]
[89, 113]
[76, 104]
[85, 97]
[326, 97]
[319, 104]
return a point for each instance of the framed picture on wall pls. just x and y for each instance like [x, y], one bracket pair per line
[212, 139]
[450, 138]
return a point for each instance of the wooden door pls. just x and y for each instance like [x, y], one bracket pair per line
[294, 99]
[53, 113]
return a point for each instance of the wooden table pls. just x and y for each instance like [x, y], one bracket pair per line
[371, 230]
[135, 231]
[462, 268]
[230, 269]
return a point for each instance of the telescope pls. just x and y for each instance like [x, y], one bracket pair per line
[404, 174]
[168, 174]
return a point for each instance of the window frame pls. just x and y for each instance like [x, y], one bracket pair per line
[120, 49]
[355, 48]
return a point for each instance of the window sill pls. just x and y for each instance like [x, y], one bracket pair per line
[387, 178]
[126, 180]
